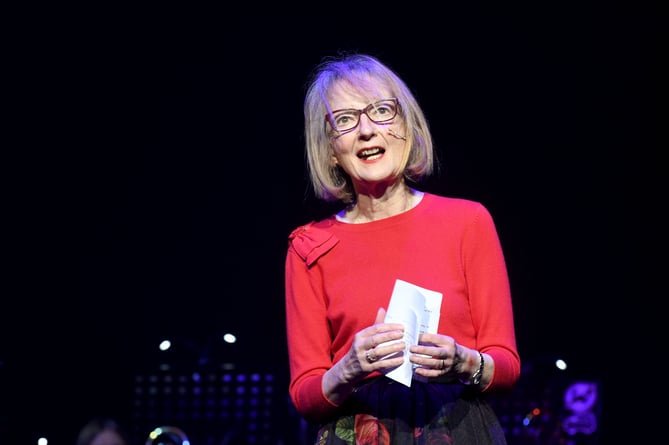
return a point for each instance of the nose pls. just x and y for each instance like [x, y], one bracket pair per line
[365, 124]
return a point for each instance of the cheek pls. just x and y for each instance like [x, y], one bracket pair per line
[336, 152]
[345, 143]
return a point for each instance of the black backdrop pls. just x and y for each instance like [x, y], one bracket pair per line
[175, 171]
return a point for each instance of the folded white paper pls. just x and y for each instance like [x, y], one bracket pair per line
[418, 310]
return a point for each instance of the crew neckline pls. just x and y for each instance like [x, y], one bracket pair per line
[421, 197]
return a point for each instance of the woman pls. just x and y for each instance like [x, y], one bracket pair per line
[368, 145]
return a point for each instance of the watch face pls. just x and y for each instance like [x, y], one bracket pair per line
[580, 396]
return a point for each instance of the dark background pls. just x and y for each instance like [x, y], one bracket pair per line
[170, 171]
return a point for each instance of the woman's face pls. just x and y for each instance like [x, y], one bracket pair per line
[372, 153]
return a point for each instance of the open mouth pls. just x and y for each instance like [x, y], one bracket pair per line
[371, 153]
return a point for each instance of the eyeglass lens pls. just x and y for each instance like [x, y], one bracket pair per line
[378, 112]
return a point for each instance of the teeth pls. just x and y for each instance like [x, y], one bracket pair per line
[370, 152]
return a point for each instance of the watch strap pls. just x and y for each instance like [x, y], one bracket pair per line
[476, 377]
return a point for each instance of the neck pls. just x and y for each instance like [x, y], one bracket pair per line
[369, 208]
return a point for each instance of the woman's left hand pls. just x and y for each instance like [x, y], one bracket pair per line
[436, 355]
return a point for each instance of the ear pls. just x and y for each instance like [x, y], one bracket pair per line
[333, 158]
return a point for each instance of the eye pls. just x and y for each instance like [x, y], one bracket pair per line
[383, 110]
[344, 119]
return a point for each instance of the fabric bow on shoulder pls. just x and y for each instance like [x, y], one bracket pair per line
[311, 242]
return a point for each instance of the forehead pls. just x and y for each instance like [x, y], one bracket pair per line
[344, 94]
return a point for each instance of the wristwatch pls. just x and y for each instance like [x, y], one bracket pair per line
[476, 377]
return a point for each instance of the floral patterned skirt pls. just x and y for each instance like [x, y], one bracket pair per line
[384, 412]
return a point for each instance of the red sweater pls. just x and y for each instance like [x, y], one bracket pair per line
[339, 274]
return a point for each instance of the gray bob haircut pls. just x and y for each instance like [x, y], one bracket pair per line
[365, 75]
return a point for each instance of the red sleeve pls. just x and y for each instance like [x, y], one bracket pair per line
[308, 333]
[490, 299]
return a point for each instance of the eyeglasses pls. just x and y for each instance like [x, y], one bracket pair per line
[345, 120]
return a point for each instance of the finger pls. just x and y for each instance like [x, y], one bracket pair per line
[380, 316]
[370, 356]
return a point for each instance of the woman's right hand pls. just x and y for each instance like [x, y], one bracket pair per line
[370, 351]
[375, 348]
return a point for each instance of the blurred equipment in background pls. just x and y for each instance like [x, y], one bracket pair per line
[551, 405]
[167, 435]
[215, 405]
